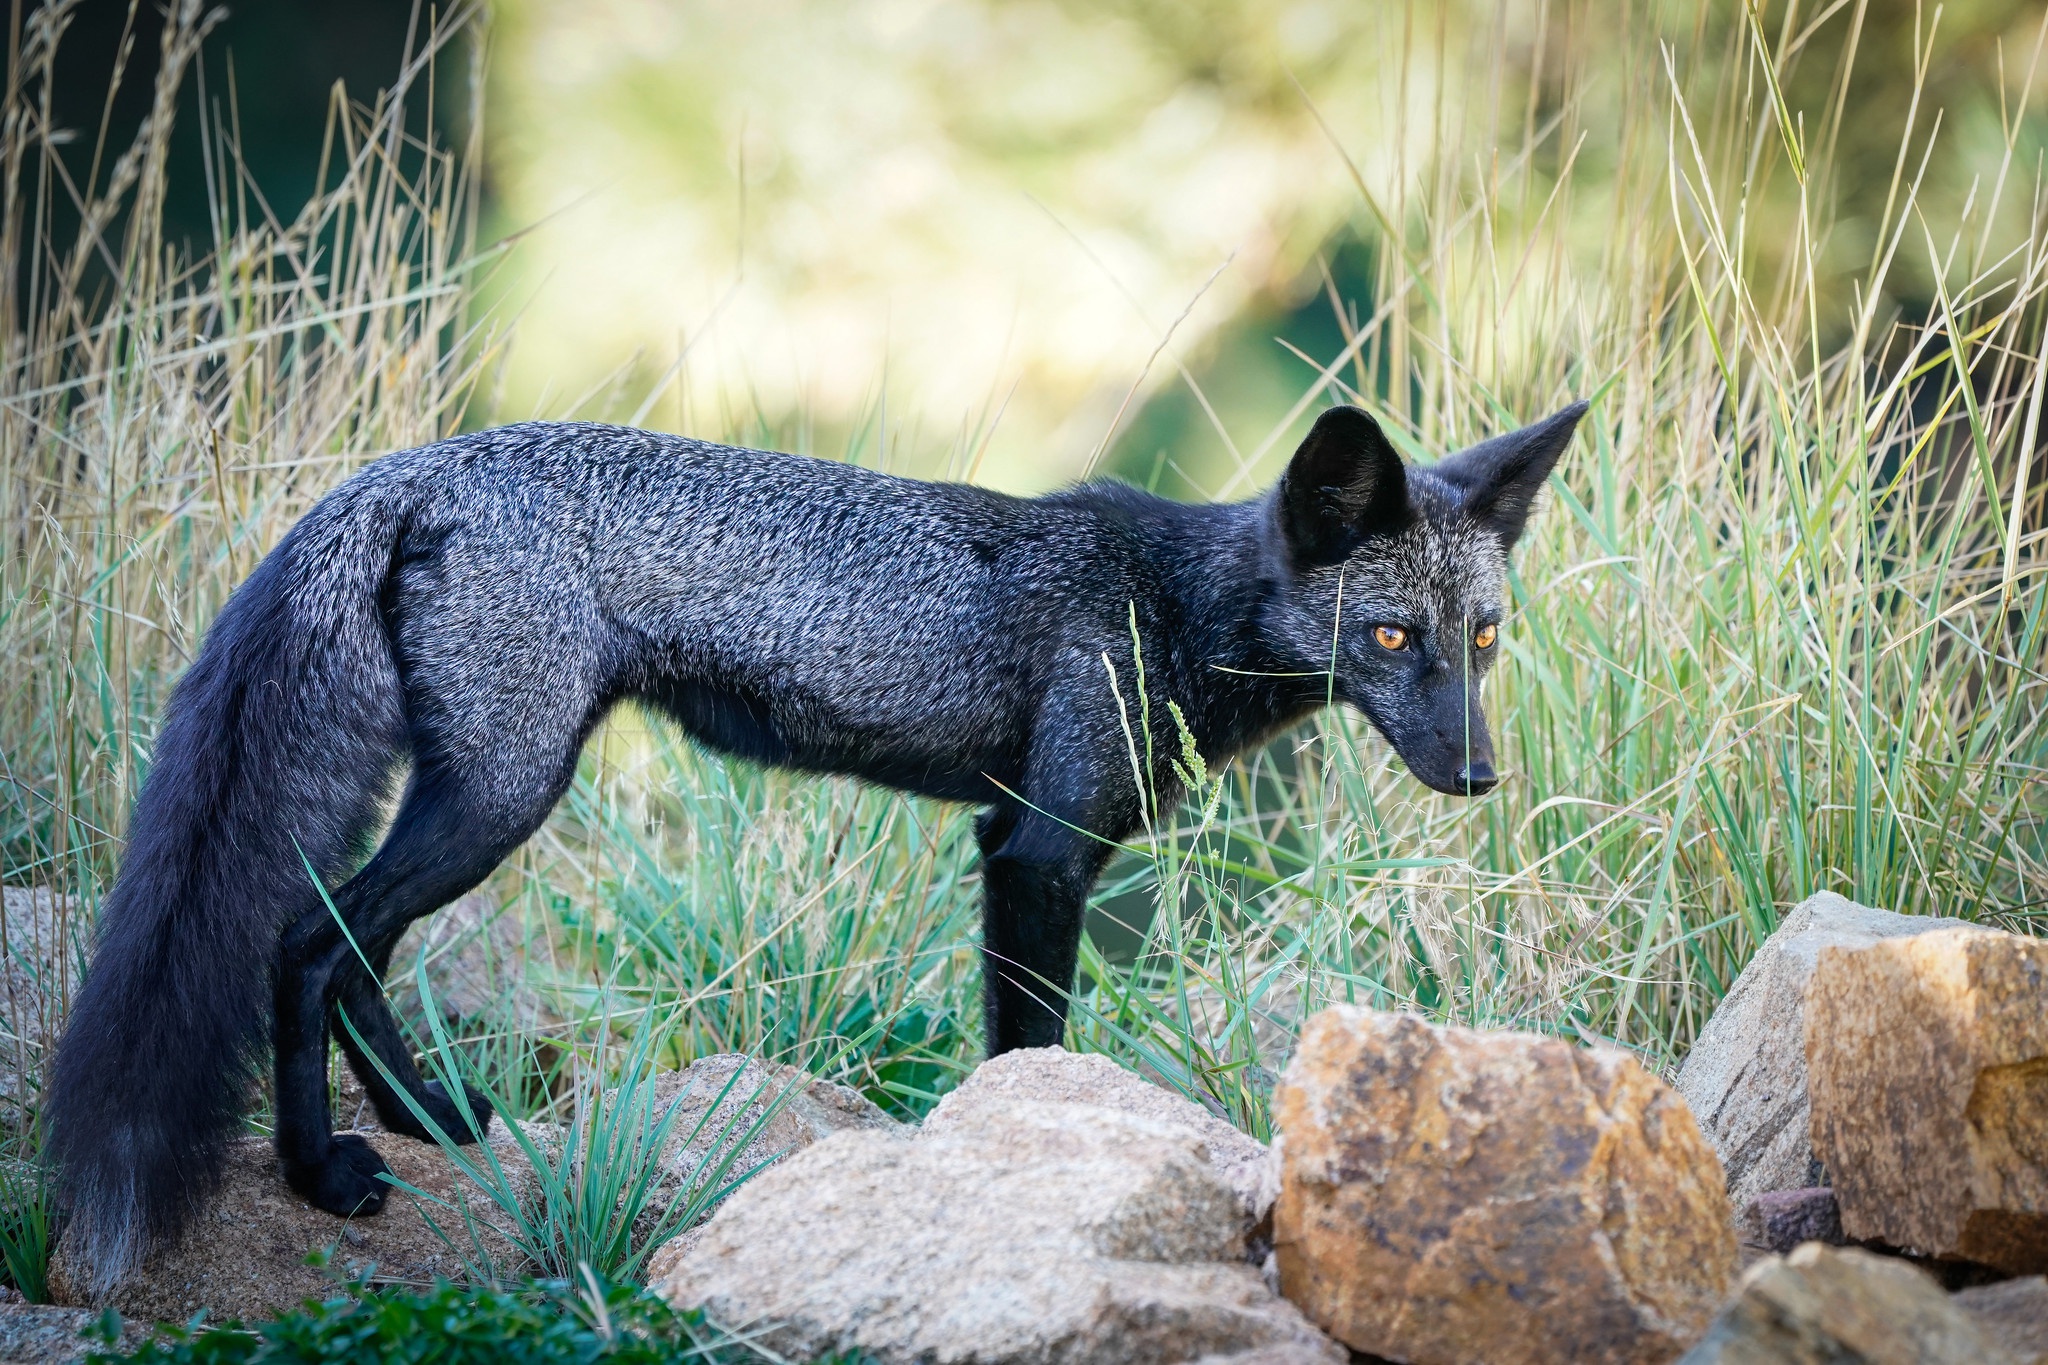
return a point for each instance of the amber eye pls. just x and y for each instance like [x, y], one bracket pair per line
[1390, 637]
[1484, 637]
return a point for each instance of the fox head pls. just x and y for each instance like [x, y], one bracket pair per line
[1393, 579]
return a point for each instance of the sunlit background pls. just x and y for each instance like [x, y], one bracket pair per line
[1004, 228]
[1023, 242]
[972, 218]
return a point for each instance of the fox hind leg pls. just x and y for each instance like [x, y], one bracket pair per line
[370, 1037]
[458, 820]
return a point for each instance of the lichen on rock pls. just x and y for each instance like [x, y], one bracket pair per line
[1928, 1059]
[1449, 1196]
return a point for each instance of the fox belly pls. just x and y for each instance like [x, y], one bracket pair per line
[948, 762]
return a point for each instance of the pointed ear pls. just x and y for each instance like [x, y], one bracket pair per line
[1344, 484]
[1499, 479]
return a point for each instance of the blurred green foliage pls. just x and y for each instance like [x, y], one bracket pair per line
[917, 218]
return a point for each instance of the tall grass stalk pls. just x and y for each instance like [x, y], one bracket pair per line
[171, 408]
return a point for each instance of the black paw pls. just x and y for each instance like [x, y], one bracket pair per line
[345, 1183]
[449, 1115]
[443, 1110]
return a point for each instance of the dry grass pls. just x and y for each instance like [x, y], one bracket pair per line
[166, 418]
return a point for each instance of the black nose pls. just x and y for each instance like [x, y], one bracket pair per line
[1477, 778]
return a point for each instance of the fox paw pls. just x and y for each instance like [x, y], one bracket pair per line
[442, 1109]
[346, 1182]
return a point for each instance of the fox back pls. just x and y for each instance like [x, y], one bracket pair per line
[797, 611]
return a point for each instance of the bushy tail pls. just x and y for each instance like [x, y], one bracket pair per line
[280, 740]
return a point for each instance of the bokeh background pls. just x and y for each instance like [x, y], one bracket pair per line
[1026, 241]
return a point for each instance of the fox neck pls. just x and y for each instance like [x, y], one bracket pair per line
[1223, 576]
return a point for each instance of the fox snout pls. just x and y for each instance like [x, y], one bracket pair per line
[1451, 767]
[1477, 778]
[1445, 742]
[1452, 770]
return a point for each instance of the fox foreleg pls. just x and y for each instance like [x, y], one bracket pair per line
[1041, 854]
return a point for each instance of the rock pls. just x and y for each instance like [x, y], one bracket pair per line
[245, 1257]
[719, 1138]
[1056, 1075]
[1020, 1230]
[2013, 1314]
[1928, 1059]
[1315, 1352]
[46, 938]
[1779, 1220]
[1453, 1196]
[42, 1334]
[1745, 1077]
[663, 1260]
[720, 1102]
[1834, 1306]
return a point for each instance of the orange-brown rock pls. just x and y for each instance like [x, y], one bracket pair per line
[1927, 1060]
[1449, 1196]
[1745, 1077]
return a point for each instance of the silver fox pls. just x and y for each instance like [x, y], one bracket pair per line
[458, 618]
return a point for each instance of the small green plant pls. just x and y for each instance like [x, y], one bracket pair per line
[599, 1194]
[549, 1322]
[28, 1228]
[804, 914]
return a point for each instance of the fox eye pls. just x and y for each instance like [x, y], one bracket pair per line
[1484, 637]
[1390, 637]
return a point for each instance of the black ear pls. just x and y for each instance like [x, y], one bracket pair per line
[1344, 484]
[1499, 479]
